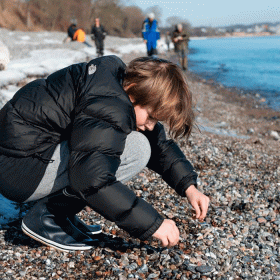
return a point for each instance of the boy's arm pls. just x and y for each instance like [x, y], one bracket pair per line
[168, 160]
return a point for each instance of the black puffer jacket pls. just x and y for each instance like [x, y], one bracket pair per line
[86, 104]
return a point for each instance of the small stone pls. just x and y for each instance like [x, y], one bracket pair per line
[133, 257]
[122, 277]
[190, 267]
[261, 220]
[22, 273]
[211, 255]
[275, 135]
[193, 260]
[154, 257]
[98, 273]
[152, 276]
[250, 131]
[139, 262]
[143, 269]
[204, 269]
[132, 266]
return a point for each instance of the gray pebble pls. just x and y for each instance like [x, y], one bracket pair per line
[204, 269]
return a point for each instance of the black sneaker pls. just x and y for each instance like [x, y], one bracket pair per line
[87, 229]
[54, 230]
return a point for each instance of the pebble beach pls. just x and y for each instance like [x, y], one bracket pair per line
[235, 148]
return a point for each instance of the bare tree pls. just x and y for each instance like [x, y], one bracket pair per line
[116, 16]
[111, 15]
[134, 18]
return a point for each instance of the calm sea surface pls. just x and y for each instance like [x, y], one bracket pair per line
[250, 64]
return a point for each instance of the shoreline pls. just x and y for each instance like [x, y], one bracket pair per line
[242, 112]
[235, 36]
[252, 99]
[255, 96]
[234, 73]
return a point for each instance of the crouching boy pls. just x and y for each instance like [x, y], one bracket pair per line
[76, 137]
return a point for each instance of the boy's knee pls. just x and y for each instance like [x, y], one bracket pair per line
[139, 148]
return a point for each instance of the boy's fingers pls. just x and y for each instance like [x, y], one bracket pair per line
[197, 210]
[164, 242]
[204, 209]
[173, 241]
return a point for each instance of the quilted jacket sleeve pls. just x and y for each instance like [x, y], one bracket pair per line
[96, 144]
[169, 161]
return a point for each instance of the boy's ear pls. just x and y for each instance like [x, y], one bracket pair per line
[128, 87]
[131, 99]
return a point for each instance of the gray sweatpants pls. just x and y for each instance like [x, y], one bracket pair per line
[135, 157]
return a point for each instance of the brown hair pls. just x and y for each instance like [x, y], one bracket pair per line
[160, 85]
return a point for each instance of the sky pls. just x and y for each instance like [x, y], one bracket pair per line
[216, 12]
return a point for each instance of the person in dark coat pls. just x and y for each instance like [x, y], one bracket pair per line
[151, 34]
[98, 35]
[76, 137]
[180, 38]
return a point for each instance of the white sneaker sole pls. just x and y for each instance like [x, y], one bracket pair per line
[50, 243]
[94, 232]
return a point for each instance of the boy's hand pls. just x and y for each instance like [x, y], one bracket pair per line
[199, 202]
[168, 233]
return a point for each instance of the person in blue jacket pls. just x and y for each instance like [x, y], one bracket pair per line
[151, 34]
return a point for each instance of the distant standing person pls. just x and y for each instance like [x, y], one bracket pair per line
[151, 34]
[76, 34]
[168, 40]
[98, 36]
[181, 39]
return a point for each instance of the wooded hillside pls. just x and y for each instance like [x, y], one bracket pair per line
[56, 15]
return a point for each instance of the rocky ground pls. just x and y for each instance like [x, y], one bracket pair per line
[237, 158]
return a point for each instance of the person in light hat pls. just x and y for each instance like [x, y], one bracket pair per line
[151, 34]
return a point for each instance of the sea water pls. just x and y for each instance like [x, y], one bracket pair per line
[251, 64]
